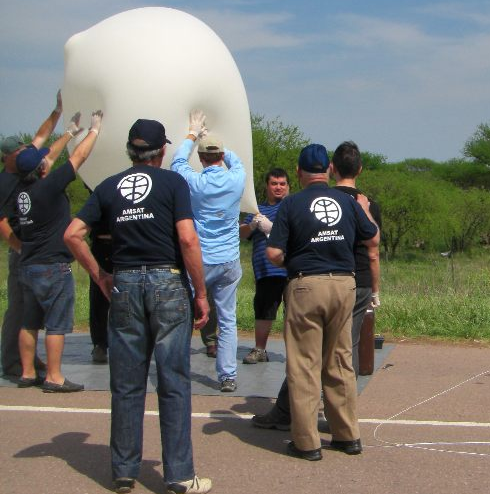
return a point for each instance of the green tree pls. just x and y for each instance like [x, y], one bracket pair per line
[463, 173]
[275, 144]
[468, 219]
[477, 147]
[403, 199]
[372, 161]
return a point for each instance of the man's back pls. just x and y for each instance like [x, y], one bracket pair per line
[215, 199]
[141, 206]
[44, 213]
[320, 225]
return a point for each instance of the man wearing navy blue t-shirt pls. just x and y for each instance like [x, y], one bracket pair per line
[148, 212]
[43, 210]
[269, 279]
[346, 166]
[313, 236]
[10, 147]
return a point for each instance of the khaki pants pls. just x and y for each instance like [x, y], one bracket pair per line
[319, 355]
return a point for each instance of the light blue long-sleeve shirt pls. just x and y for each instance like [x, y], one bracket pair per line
[215, 200]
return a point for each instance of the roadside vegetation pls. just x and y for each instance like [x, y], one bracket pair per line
[435, 236]
[422, 296]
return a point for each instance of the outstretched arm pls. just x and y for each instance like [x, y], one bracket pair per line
[83, 150]
[57, 147]
[180, 161]
[49, 124]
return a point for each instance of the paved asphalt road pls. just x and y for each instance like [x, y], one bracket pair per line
[425, 424]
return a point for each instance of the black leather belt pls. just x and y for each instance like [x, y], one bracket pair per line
[146, 267]
[333, 273]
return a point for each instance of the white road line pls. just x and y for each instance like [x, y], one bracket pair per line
[18, 408]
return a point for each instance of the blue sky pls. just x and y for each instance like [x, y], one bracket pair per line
[406, 78]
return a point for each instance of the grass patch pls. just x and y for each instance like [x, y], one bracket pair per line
[436, 297]
[422, 296]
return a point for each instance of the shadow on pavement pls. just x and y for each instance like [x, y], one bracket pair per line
[90, 460]
[270, 440]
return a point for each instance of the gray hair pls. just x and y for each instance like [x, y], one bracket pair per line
[138, 155]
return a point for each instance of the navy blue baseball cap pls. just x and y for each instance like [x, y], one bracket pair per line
[147, 135]
[29, 159]
[314, 159]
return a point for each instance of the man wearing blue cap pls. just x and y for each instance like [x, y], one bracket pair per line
[149, 216]
[12, 319]
[43, 210]
[313, 236]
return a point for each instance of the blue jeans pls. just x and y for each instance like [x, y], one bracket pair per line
[49, 297]
[151, 312]
[222, 281]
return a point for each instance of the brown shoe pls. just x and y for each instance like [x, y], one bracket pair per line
[211, 351]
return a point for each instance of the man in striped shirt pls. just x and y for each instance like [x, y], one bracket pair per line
[269, 279]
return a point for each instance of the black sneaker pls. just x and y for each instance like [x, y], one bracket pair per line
[227, 386]
[123, 485]
[347, 447]
[271, 420]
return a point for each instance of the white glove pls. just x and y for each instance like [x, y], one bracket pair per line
[59, 103]
[74, 126]
[96, 122]
[375, 302]
[197, 120]
[265, 225]
[255, 222]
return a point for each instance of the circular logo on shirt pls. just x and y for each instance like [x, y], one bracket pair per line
[326, 210]
[135, 187]
[24, 202]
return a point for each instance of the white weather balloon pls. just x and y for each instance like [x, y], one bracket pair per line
[157, 63]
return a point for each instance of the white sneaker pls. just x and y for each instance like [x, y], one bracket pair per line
[193, 486]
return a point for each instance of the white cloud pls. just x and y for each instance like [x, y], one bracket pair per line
[367, 32]
[384, 79]
[461, 11]
[242, 31]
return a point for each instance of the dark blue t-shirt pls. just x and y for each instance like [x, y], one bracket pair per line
[317, 228]
[43, 210]
[261, 265]
[141, 206]
[8, 185]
